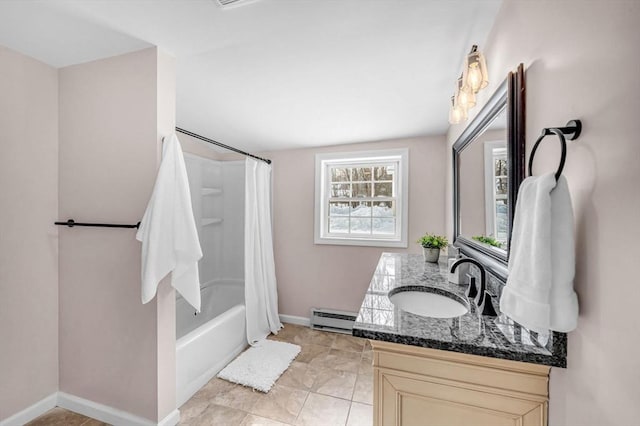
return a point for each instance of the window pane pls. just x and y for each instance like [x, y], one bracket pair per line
[339, 174]
[360, 225]
[338, 209]
[383, 172]
[361, 174]
[340, 190]
[502, 221]
[362, 208]
[501, 167]
[383, 189]
[501, 186]
[383, 209]
[384, 225]
[361, 190]
[339, 225]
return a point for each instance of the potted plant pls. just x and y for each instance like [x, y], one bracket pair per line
[431, 246]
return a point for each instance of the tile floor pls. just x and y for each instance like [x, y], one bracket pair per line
[61, 417]
[329, 383]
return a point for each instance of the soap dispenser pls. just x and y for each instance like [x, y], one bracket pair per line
[456, 276]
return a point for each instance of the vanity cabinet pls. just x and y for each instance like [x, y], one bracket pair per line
[421, 386]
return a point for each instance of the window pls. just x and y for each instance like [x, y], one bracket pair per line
[361, 198]
[496, 181]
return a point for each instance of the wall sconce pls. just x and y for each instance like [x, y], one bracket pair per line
[474, 77]
[465, 96]
[457, 114]
[475, 74]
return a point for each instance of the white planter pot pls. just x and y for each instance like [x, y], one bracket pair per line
[431, 254]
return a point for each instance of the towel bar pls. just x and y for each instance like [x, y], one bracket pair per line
[71, 223]
[572, 130]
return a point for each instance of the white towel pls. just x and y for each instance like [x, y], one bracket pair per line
[168, 230]
[539, 292]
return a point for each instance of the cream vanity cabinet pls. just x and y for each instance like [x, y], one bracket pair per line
[423, 387]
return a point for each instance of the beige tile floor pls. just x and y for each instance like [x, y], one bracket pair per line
[330, 383]
[61, 417]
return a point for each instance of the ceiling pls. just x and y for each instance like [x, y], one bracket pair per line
[276, 74]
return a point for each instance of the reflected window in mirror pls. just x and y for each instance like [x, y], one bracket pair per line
[496, 195]
[483, 186]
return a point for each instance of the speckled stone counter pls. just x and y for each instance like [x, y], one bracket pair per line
[497, 337]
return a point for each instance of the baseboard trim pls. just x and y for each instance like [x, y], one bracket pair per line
[111, 415]
[87, 408]
[292, 319]
[172, 419]
[31, 412]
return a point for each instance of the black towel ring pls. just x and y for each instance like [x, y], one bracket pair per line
[571, 130]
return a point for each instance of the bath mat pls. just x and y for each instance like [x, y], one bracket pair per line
[260, 366]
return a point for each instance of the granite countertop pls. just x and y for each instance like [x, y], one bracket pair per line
[472, 333]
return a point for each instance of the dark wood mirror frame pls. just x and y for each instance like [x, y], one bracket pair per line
[512, 94]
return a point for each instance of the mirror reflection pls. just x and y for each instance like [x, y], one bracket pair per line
[483, 186]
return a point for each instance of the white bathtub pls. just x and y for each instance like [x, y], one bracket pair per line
[208, 341]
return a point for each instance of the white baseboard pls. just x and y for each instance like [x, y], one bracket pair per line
[172, 419]
[292, 319]
[111, 415]
[31, 412]
[87, 408]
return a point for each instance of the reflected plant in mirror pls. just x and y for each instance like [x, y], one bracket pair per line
[488, 240]
[488, 167]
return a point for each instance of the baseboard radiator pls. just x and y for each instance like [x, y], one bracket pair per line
[332, 320]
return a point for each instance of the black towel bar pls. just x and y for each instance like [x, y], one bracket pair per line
[571, 131]
[71, 223]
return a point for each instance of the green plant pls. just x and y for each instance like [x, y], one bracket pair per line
[433, 241]
[488, 240]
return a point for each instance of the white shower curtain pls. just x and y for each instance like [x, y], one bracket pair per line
[261, 294]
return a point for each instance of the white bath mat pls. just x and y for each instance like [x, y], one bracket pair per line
[260, 366]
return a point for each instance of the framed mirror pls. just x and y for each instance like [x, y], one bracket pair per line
[488, 167]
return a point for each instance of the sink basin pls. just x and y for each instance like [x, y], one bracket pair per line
[428, 304]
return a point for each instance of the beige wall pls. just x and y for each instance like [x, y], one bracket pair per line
[197, 147]
[581, 59]
[329, 276]
[28, 238]
[113, 349]
[166, 299]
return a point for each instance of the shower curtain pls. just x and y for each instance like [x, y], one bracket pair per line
[261, 295]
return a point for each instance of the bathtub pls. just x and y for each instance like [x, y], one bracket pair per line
[206, 342]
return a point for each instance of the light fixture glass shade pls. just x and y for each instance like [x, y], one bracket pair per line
[465, 97]
[475, 75]
[457, 114]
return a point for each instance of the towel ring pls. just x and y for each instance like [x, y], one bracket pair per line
[571, 130]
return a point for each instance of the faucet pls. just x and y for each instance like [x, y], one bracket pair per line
[483, 300]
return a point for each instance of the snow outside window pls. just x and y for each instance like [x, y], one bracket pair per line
[361, 198]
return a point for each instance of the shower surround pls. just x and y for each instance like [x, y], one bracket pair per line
[207, 341]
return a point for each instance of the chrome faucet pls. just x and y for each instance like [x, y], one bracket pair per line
[483, 299]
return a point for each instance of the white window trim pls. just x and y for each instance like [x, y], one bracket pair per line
[489, 186]
[402, 207]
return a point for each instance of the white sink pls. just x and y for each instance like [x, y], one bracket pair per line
[428, 304]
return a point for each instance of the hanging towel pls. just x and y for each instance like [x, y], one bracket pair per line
[539, 292]
[168, 230]
[261, 293]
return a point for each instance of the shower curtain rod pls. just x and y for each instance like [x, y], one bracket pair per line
[220, 144]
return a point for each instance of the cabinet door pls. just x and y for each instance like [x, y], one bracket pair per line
[408, 401]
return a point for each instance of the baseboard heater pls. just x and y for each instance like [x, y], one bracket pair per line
[332, 320]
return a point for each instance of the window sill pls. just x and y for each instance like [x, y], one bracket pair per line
[360, 242]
